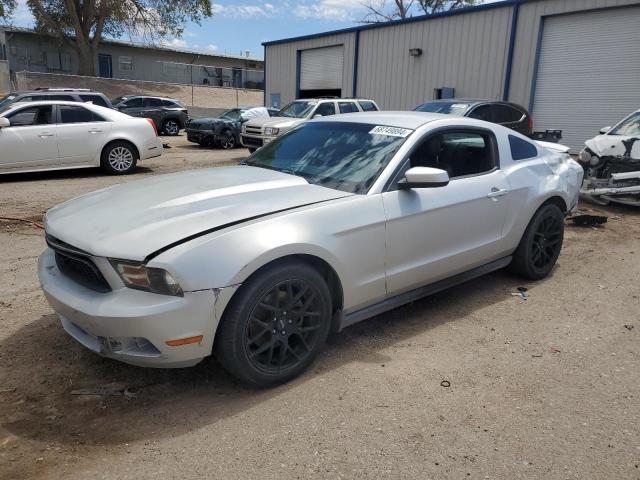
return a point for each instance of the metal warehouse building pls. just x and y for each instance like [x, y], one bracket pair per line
[575, 64]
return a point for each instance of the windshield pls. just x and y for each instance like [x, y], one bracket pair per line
[233, 114]
[449, 108]
[342, 155]
[296, 109]
[629, 126]
[6, 100]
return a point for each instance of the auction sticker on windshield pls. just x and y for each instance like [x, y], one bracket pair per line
[391, 131]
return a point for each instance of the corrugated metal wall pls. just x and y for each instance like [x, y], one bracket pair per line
[529, 18]
[281, 62]
[466, 52]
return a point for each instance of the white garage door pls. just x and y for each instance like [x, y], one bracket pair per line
[321, 68]
[589, 72]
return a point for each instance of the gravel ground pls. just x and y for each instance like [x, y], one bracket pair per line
[543, 388]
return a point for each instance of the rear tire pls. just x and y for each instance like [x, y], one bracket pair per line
[119, 158]
[171, 127]
[275, 325]
[252, 150]
[540, 245]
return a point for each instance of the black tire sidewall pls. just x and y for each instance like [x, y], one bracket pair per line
[104, 158]
[229, 344]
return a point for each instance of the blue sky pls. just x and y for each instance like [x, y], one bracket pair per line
[239, 25]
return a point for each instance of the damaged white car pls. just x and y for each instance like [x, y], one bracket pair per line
[339, 220]
[611, 162]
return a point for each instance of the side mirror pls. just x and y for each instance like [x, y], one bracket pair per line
[4, 122]
[604, 130]
[424, 177]
[317, 115]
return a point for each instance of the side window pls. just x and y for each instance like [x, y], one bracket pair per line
[325, 109]
[347, 107]
[169, 103]
[367, 106]
[481, 113]
[73, 114]
[506, 114]
[460, 153]
[521, 149]
[152, 102]
[133, 103]
[95, 99]
[41, 115]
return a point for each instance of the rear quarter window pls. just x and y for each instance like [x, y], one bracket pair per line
[521, 149]
[368, 106]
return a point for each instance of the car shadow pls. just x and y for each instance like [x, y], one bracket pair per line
[41, 366]
[65, 174]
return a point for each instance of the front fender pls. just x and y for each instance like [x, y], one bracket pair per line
[348, 234]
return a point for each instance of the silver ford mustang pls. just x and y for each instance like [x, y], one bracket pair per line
[337, 221]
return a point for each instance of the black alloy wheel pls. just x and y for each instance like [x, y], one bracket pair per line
[275, 324]
[541, 243]
[284, 326]
[228, 141]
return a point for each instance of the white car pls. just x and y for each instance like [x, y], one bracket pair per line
[260, 131]
[339, 220]
[55, 135]
[612, 163]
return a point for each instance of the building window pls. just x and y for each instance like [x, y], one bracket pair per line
[3, 51]
[125, 64]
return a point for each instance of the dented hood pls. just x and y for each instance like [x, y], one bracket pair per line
[615, 146]
[135, 219]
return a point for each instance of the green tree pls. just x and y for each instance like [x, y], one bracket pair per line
[388, 10]
[81, 24]
[6, 7]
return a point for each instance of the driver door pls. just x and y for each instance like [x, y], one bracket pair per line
[30, 140]
[435, 233]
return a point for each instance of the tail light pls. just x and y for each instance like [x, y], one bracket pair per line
[153, 124]
[530, 123]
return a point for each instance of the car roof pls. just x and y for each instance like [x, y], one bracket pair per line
[399, 119]
[473, 101]
[332, 99]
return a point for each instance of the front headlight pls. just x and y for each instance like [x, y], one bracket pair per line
[139, 277]
[244, 129]
[271, 131]
[586, 156]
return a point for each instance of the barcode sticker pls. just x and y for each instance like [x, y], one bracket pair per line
[391, 131]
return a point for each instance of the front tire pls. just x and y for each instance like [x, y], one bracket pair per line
[275, 325]
[227, 140]
[171, 127]
[540, 245]
[119, 158]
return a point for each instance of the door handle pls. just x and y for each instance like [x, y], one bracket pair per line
[495, 192]
[95, 131]
[45, 135]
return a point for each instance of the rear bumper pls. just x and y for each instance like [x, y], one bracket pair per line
[151, 150]
[130, 325]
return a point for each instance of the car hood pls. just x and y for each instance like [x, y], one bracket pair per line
[615, 146]
[136, 219]
[283, 123]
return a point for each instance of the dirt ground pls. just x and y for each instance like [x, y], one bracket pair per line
[543, 388]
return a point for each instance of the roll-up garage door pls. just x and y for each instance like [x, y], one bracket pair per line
[589, 72]
[321, 68]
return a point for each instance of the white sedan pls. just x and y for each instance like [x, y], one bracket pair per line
[55, 135]
[338, 220]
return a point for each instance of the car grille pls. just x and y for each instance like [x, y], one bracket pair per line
[253, 130]
[252, 142]
[77, 266]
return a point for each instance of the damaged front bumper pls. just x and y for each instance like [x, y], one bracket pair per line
[610, 178]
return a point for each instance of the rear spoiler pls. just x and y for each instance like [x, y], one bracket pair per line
[554, 147]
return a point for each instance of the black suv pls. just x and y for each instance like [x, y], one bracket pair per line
[507, 114]
[66, 94]
[169, 115]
